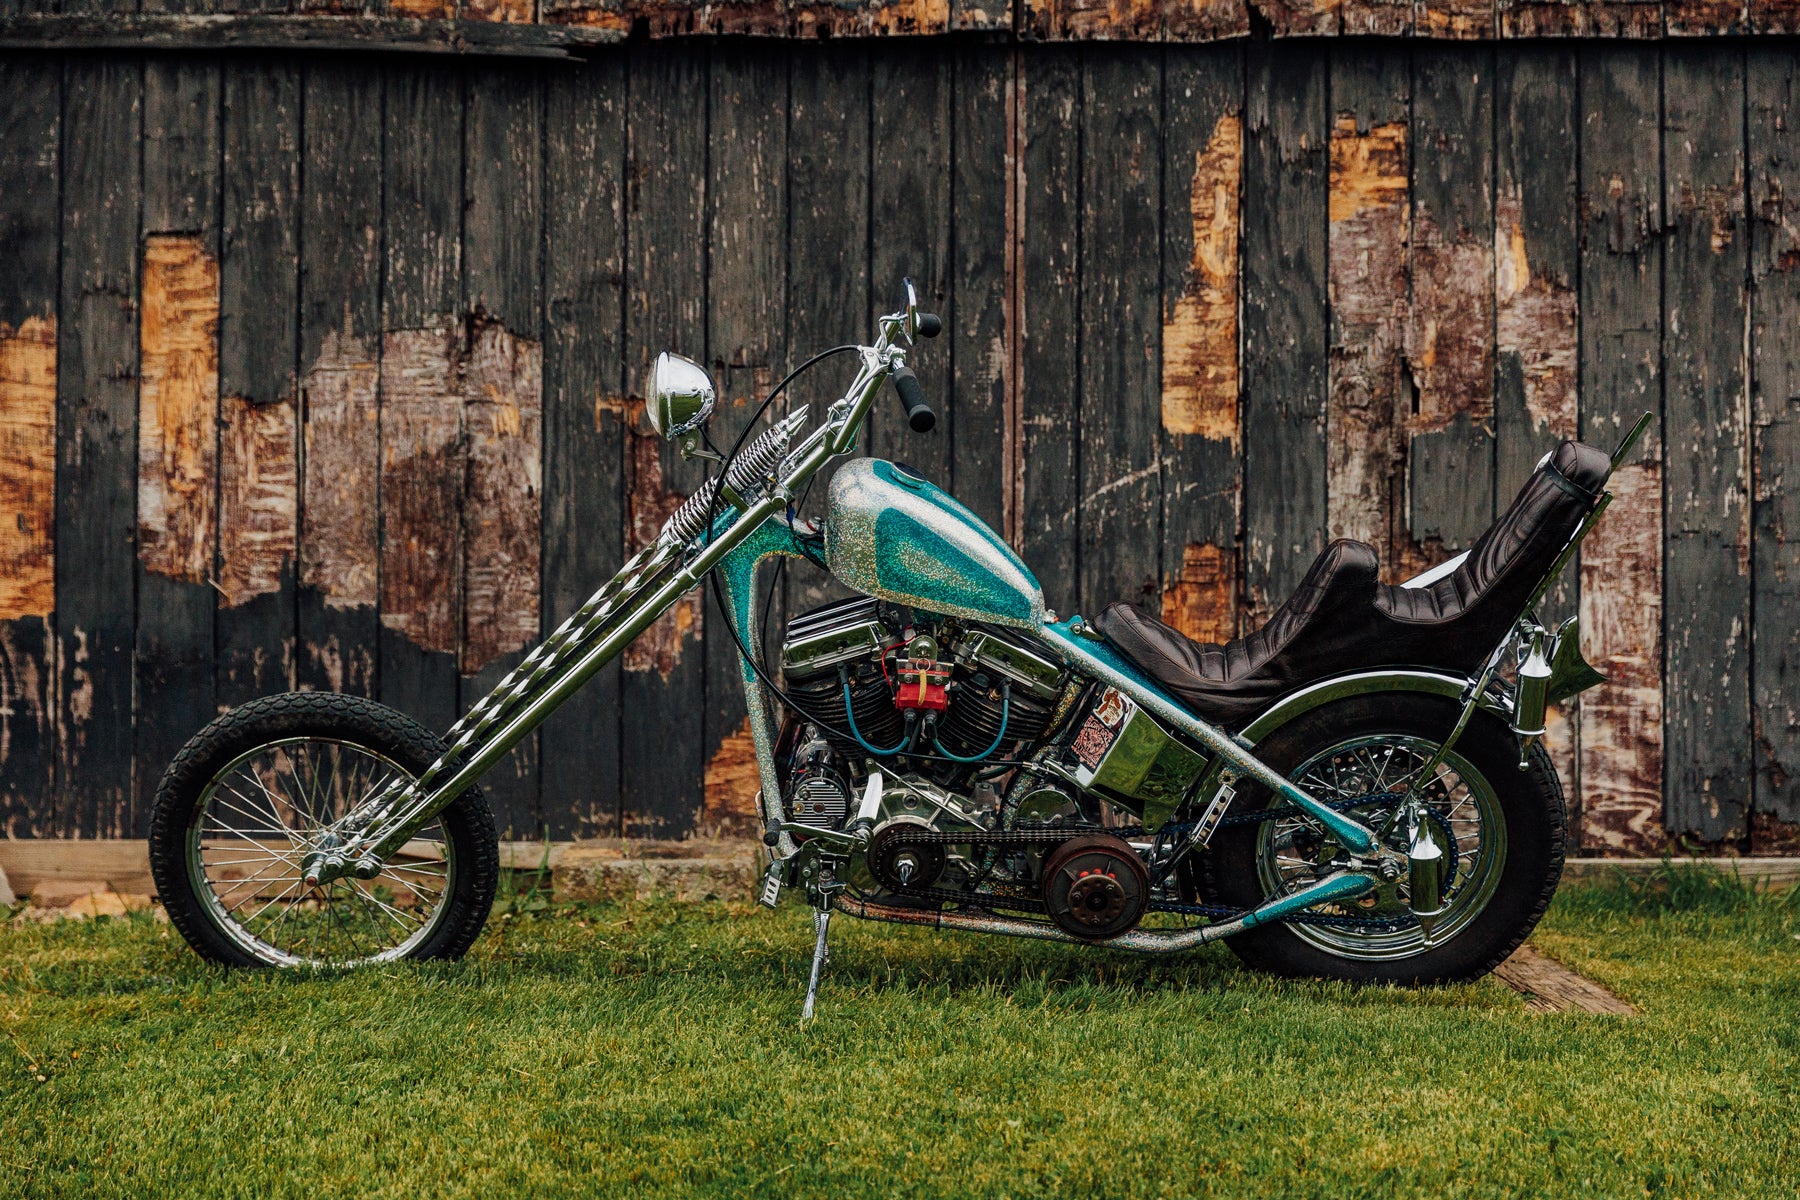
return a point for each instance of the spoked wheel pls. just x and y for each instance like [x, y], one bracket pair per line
[256, 791]
[1501, 828]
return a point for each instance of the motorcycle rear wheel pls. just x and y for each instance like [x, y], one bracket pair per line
[248, 798]
[1506, 830]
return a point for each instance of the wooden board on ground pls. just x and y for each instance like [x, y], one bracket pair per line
[1548, 986]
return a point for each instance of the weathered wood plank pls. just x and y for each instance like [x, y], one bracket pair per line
[911, 203]
[1706, 585]
[338, 626]
[30, 136]
[1450, 331]
[96, 445]
[1456, 19]
[1049, 363]
[665, 669]
[828, 288]
[1772, 16]
[1134, 20]
[1370, 210]
[1537, 260]
[1541, 18]
[1548, 986]
[1623, 19]
[1382, 18]
[258, 449]
[1202, 187]
[1621, 734]
[1773, 81]
[1121, 326]
[423, 463]
[1704, 18]
[503, 406]
[1285, 343]
[746, 341]
[424, 32]
[1298, 18]
[584, 436]
[976, 321]
[178, 410]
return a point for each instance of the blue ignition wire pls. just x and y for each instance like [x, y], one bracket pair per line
[850, 715]
[1005, 714]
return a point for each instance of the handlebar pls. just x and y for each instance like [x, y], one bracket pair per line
[912, 397]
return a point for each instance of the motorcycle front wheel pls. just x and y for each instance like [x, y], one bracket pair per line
[254, 792]
[1504, 832]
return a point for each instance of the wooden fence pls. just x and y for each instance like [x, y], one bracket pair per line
[324, 371]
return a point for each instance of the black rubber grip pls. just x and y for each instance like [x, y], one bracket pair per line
[930, 325]
[912, 398]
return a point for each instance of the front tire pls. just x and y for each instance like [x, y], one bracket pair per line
[248, 797]
[1506, 826]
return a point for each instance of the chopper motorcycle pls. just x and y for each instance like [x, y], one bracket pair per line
[1358, 789]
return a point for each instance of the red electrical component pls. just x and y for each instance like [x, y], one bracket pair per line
[921, 683]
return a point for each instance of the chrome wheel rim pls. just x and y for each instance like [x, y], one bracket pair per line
[260, 816]
[1463, 807]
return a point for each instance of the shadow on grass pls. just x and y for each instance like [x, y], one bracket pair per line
[724, 949]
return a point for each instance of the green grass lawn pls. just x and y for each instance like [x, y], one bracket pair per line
[655, 1049]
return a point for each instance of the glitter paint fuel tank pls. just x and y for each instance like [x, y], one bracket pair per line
[891, 533]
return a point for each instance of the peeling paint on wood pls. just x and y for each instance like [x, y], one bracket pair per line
[1542, 18]
[178, 405]
[1200, 340]
[1773, 16]
[1450, 334]
[1300, 18]
[1369, 214]
[421, 484]
[27, 469]
[1690, 18]
[1633, 20]
[510, 12]
[869, 18]
[258, 498]
[589, 14]
[339, 555]
[1203, 20]
[1534, 321]
[1377, 18]
[1089, 20]
[732, 781]
[1454, 19]
[1621, 625]
[424, 10]
[503, 500]
[1201, 601]
[27, 732]
[649, 504]
[1770, 835]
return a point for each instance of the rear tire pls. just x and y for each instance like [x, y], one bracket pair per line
[1523, 830]
[223, 802]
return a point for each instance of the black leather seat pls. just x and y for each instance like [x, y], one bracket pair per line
[1343, 618]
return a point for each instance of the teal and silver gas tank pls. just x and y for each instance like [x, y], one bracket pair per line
[890, 533]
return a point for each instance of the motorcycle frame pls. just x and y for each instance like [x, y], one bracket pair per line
[746, 534]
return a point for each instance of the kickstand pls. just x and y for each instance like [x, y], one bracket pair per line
[821, 955]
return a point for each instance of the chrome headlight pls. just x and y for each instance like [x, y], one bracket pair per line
[681, 395]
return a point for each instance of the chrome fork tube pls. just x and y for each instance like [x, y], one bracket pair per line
[633, 619]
